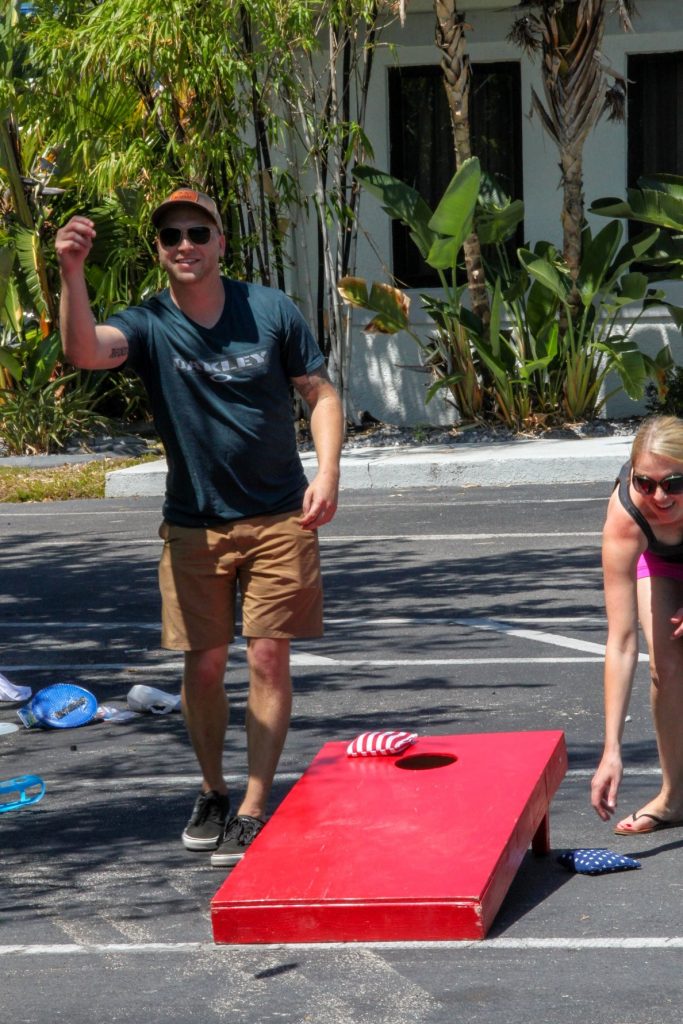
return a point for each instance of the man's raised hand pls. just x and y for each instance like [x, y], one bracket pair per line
[73, 242]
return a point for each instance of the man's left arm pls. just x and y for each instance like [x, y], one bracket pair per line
[327, 429]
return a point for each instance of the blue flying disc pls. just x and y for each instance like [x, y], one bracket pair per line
[63, 706]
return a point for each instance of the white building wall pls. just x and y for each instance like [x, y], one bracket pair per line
[381, 381]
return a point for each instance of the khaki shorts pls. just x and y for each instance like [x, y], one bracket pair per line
[276, 564]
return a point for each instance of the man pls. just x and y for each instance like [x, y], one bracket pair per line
[217, 357]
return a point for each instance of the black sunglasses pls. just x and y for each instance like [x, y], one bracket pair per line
[670, 484]
[199, 235]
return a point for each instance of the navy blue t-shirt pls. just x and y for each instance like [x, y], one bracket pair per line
[221, 401]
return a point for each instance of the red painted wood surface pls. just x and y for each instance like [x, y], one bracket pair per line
[371, 849]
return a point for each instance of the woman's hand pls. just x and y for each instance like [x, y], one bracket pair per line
[605, 785]
[677, 623]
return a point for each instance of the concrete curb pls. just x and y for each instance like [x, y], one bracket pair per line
[580, 460]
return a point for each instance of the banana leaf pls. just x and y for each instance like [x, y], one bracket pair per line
[647, 205]
[400, 202]
[596, 261]
[496, 319]
[629, 363]
[634, 251]
[667, 254]
[632, 287]
[676, 311]
[453, 216]
[27, 245]
[41, 367]
[548, 342]
[354, 290]
[544, 271]
[496, 224]
[541, 307]
[672, 184]
[517, 285]
[6, 263]
[445, 312]
[390, 304]
[13, 313]
[443, 254]
[10, 363]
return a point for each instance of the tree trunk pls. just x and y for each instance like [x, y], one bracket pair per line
[572, 218]
[569, 37]
[455, 63]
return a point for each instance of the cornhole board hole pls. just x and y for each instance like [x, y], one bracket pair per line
[423, 845]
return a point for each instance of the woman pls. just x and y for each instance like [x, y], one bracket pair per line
[642, 557]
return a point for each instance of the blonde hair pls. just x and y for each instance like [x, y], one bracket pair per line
[659, 435]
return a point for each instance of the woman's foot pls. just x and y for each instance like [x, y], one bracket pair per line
[647, 820]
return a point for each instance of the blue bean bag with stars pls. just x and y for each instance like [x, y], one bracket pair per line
[596, 862]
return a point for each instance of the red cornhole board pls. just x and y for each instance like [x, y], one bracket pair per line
[423, 845]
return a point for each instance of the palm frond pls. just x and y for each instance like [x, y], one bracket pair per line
[615, 101]
[524, 34]
[626, 9]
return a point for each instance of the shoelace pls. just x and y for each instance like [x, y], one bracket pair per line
[244, 829]
[207, 807]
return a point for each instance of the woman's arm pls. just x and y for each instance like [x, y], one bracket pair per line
[623, 543]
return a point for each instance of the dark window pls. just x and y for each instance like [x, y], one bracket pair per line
[655, 115]
[421, 142]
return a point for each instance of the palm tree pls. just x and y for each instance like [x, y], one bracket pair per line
[568, 34]
[455, 64]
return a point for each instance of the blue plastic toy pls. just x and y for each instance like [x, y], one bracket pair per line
[26, 789]
[60, 706]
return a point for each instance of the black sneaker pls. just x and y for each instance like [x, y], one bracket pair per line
[207, 823]
[239, 833]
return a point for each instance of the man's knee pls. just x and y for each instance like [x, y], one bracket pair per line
[205, 670]
[269, 659]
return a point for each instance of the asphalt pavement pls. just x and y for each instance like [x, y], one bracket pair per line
[449, 609]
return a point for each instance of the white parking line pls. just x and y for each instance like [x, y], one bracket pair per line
[673, 942]
[591, 652]
[538, 636]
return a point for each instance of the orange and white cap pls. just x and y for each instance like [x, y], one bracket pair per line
[188, 197]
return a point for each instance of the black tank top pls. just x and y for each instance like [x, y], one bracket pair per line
[670, 552]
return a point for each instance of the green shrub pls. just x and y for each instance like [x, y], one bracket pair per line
[38, 417]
